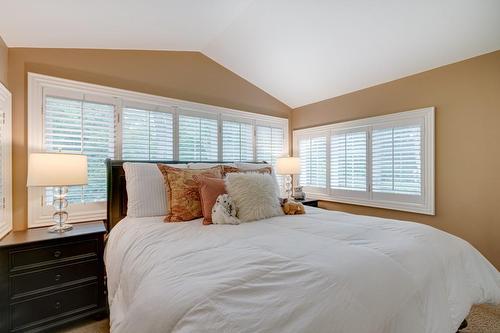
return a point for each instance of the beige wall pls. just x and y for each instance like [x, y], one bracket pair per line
[3, 62]
[467, 100]
[184, 75]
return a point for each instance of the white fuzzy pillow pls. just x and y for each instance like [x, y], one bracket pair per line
[255, 195]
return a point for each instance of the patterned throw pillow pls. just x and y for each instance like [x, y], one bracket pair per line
[184, 197]
[230, 169]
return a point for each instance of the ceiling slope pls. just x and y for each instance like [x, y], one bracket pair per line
[307, 51]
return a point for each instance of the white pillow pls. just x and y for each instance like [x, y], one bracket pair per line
[146, 189]
[255, 195]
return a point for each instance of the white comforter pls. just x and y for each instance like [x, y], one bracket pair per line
[325, 271]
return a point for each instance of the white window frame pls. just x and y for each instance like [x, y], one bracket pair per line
[39, 215]
[6, 123]
[423, 204]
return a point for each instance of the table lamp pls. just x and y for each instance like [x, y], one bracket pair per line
[288, 166]
[57, 170]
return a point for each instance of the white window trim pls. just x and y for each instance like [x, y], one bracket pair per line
[38, 83]
[426, 204]
[6, 119]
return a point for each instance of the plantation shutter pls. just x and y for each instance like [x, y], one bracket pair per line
[312, 151]
[198, 138]
[269, 143]
[147, 135]
[348, 161]
[237, 141]
[397, 160]
[81, 127]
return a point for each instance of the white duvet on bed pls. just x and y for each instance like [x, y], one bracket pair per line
[325, 271]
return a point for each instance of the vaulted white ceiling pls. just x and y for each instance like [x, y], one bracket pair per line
[300, 51]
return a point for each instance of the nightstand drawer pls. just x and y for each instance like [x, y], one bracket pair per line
[41, 256]
[53, 306]
[48, 278]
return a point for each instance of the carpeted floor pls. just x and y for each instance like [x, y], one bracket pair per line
[482, 319]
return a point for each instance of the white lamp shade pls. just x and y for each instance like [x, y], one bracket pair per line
[57, 169]
[288, 166]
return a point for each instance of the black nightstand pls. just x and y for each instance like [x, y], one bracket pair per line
[50, 279]
[309, 202]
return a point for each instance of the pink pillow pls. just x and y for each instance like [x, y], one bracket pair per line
[210, 189]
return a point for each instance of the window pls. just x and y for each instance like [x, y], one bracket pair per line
[385, 161]
[5, 161]
[102, 122]
[270, 143]
[348, 160]
[237, 141]
[82, 127]
[313, 163]
[397, 160]
[198, 138]
[147, 135]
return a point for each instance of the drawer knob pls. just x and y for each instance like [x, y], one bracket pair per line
[57, 305]
[57, 254]
[58, 277]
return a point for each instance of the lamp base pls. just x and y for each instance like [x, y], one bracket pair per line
[288, 187]
[60, 228]
[60, 214]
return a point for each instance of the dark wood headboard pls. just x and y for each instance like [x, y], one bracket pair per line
[117, 188]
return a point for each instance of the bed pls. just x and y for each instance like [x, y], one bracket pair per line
[324, 271]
